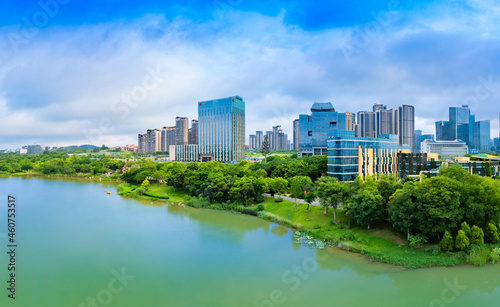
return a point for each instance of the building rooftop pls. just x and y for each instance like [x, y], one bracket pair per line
[322, 107]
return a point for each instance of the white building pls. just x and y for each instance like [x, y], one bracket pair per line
[445, 149]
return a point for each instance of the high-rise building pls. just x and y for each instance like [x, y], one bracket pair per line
[313, 128]
[193, 132]
[181, 130]
[482, 135]
[296, 134]
[153, 140]
[259, 137]
[377, 107]
[143, 143]
[221, 129]
[462, 126]
[167, 138]
[349, 121]
[406, 125]
[367, 126]
[252, 142]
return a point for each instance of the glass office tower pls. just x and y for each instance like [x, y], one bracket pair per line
[221, 129]
[313, 128]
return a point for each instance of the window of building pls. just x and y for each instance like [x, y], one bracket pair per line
[309, 133]
[333, 124]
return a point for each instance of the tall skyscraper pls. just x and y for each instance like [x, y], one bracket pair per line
[181, 130]
[221, 129]
[482, 135]
[296, 135]
[252, 142]
[406, 125]
[463, 126]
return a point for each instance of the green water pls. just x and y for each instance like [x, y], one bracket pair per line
[74, 239]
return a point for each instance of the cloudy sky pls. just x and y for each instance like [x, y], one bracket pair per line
[102, 71]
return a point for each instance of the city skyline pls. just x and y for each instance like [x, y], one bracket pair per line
[99, 73]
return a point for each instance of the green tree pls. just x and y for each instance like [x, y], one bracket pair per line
[402, 206]
[277, 185]
[476, 235]
[492, 233]
[461, 241]
[261, 173]
[145, 184]
[367, 207]
[331, 193]
[265, 147]
[441, 208]
[447, 242]
[309, 197]
[466, 229]
[296, 192]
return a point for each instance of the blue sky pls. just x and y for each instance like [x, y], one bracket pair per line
[79, 72]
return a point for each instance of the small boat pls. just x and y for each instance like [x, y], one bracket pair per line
[107, 192]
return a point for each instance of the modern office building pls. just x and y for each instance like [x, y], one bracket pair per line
[278, 140]
[181, 130]
[313, 128]
[167, 137]
[419, 137]
[259, 138]
[184, 153]
[445, 149]
[221, 129]
[349, 156]
[443, 131]
[462, 126]
[482, 135]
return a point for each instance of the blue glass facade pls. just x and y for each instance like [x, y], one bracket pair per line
[221, 128]
[482, 135]
[314, 128]
[349, 156]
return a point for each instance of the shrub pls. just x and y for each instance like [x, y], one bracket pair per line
[417, 240]
[478, 254]
[461, 241]
[447, 242]
[476, 235]
[145, 184]
[492, 233]
[260, 208]
[347, 235]
[495, 255]
[278, 200]
[140, 191]
[434, 250]
[341, 226]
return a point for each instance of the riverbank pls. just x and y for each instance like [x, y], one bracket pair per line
[380, 243]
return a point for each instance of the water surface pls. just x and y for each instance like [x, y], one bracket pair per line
[74, 240]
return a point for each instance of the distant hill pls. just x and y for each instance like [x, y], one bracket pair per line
[85, 147]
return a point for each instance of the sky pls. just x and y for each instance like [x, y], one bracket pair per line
[76, 72]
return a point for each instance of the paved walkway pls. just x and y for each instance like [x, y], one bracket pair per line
[299, 201]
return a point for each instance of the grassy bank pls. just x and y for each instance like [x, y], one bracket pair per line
[380, 243]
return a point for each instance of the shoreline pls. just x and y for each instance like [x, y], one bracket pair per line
[358, 241]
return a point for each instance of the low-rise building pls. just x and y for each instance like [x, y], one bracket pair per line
[349, 156]
[445, 149]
